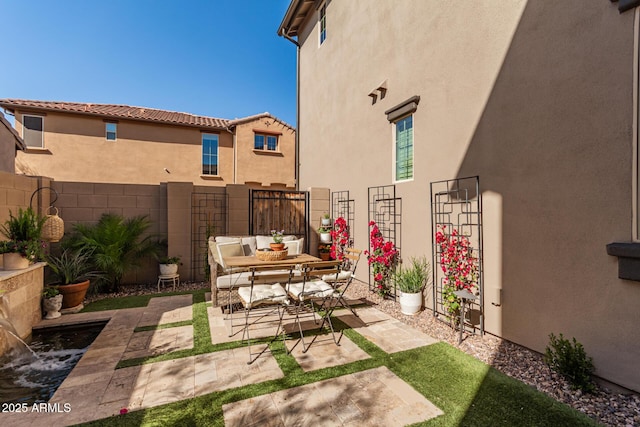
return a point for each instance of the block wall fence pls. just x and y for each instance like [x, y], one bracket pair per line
[168, 206]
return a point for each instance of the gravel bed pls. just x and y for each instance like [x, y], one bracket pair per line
[605, 406]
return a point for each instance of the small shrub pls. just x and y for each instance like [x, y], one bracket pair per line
[571, 361]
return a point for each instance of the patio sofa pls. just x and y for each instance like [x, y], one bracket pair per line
[220, 246]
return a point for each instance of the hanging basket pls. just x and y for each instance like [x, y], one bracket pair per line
[53, 228]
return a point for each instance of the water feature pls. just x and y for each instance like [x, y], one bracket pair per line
[30, 377]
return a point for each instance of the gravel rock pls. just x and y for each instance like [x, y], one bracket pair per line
[605, 406]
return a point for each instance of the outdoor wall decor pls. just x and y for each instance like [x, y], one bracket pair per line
[385, 209]
[456, 210]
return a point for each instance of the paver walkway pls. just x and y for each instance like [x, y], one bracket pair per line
[376, 397]
[95, 389]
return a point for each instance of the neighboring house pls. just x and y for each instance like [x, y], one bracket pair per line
[121, 144]
[10, 144]
[538, 99]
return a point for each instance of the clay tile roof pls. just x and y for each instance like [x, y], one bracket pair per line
[118, 112]
[236, 122]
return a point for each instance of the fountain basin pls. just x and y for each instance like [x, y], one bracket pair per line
[20, 300]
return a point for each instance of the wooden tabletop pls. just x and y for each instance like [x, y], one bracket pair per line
[252, 261]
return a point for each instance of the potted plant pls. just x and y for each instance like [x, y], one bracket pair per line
[325, 251]
[23, 233]
[277, 244]
[72, 272]
[325, 234]
[326, 220]
[169, 265]
[51, 302]
[410, 281]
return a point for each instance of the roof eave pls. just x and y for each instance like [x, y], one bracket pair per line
[13, 107]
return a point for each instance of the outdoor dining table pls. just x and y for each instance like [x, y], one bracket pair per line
[244, 263]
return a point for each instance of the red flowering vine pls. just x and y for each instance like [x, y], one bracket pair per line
[459, 265]
[340, 237]
[382, 259]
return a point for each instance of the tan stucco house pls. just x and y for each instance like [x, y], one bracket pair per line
[10, 144]
[102, 143]
[536, 98]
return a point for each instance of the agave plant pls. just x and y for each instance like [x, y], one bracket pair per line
[72, 267]
[117, 245]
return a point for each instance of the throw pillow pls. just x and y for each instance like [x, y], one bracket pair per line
[226, 249]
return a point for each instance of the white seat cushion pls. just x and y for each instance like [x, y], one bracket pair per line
[315, 289]
[244, 278]
[342, 276]
[261, 294]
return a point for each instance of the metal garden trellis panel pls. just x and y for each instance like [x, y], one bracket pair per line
[208, 217]
[386, 210]
[457, 204]
[343, 206]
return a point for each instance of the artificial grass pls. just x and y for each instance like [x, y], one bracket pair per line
[468, 391]
[131, 301]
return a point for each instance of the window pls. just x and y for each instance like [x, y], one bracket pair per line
[323, 23]
[404, 149]
[111, 130]
[209, 154]
[32, 131]
[265, 142]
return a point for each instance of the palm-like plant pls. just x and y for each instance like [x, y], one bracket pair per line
[117, 245]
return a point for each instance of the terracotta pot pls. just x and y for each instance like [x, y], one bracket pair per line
[15, 261]
[73, 295]
[276, 246]
[325, 256]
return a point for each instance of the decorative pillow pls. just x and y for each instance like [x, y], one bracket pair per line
[226, 249]
[262, 242]
[249, 245]
[295, 247]
[288, 238]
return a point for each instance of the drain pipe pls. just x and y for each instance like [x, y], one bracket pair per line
[297, 139]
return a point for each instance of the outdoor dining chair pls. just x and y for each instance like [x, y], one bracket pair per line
[346, 275]
[261, 302]
[314, 289]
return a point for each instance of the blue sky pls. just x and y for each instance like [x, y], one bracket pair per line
[219, 58]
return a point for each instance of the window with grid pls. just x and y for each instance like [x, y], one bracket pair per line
[209, 154]
[265, 142]
[33, 131]
[404, 149]
[111, 130]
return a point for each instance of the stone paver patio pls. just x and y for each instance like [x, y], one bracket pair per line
[96, 389]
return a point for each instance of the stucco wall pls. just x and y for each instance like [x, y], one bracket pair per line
[76, 150]
[536, 99]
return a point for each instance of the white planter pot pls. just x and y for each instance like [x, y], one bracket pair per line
[168, 269]
[325, 237]
[326, 221]
[410, 303]
[52, 306]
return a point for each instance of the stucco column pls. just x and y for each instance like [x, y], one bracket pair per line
[319, 204]
[179, 224]
[238, 199]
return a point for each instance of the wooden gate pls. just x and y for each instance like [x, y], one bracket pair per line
[279, 210]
